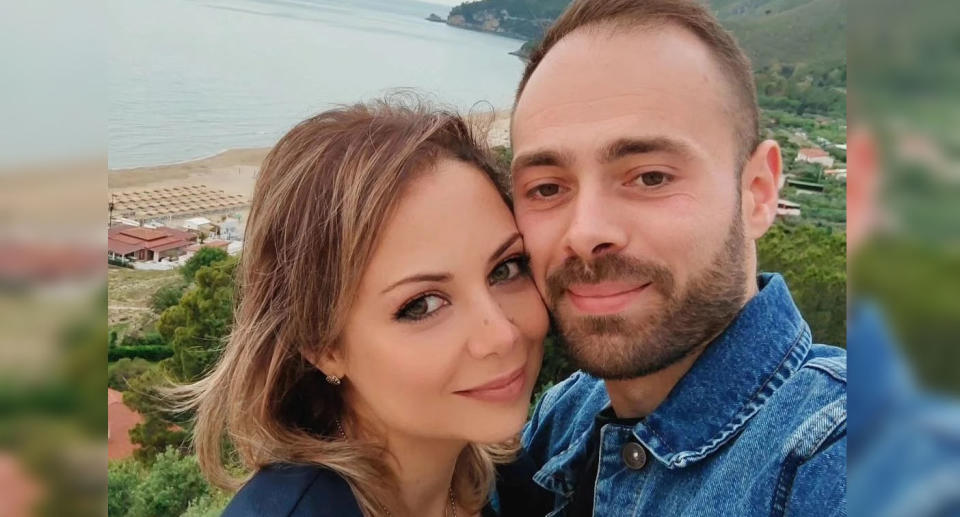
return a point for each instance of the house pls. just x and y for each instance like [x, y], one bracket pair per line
[805, 187]
[815, 155]
[787, 208]
[839, 174]
[200, 225]
[153, 244]
[193, 248]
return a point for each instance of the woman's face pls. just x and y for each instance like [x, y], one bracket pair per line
[445, 337]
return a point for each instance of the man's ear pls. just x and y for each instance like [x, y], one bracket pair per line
[760, 188]
[328, 359]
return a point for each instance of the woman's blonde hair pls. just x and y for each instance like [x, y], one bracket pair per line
[322, 198]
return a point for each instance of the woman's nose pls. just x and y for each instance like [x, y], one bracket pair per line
[494, 332]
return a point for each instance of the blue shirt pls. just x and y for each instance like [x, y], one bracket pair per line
[756, 427]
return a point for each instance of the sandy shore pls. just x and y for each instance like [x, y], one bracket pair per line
[234, 171]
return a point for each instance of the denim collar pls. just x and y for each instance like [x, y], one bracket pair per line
[733, 378]
[728, 384]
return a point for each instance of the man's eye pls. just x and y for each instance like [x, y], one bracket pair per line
[420, 308]
[508, 270]
[653, 179]
[544, 191]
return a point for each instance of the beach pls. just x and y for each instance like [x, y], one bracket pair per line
[235, 171]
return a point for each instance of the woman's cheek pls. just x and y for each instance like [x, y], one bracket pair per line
[527, 311]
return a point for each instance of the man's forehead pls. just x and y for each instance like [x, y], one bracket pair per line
[590, 73]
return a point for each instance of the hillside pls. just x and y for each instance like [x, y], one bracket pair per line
[771, 31]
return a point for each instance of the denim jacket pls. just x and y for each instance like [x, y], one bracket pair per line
[756, 427]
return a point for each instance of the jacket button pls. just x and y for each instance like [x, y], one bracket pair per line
[634, 456]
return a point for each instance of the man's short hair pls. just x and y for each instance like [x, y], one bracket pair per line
[687, 14]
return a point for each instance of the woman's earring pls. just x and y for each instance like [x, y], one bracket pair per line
[333, 379]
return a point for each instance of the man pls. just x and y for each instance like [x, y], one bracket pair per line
[640, 186]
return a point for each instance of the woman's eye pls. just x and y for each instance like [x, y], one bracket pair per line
[420, 308]
[653, 178]
[544, 191]
[508, 270]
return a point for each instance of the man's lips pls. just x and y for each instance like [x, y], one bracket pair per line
[504, 387]
[604, 298]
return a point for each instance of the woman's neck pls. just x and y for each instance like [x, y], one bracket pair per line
[424, 469]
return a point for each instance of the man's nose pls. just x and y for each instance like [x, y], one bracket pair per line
[594, 227]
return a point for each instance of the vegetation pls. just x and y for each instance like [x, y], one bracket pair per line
[813, 260]
[195, 327]
[167, 296]
[124, 369]
[802, 89]
[148, 352]
[771, 31]
[167, 489]
[205, 256]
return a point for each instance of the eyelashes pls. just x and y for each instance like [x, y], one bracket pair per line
[425, 305]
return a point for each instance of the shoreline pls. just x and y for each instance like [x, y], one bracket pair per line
[234, 171]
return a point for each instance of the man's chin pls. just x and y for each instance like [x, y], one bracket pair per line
[625, 354]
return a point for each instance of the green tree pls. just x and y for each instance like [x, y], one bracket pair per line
[196, 326]
[161, 428]
[205, 256]
[813, 260]
[123, 479]
[125, 369]
[168, 487]
[167, 296]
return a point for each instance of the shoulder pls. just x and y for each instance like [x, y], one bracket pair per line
[284, 490]
[564, 412]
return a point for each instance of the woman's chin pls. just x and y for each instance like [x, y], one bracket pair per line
[499, 426]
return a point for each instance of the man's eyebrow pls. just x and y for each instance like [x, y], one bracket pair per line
[541, 158]
[624, 147]
[420, 277]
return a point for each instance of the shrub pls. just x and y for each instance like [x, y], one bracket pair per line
[166, 296]
[124, 369]
[148, 352]
[123, 479]
[205, 256]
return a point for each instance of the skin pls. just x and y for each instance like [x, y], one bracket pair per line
[486, 319]
[670, 197]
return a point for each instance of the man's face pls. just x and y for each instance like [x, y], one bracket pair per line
[628, 197]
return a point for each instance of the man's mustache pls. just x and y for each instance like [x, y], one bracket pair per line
[605, 268]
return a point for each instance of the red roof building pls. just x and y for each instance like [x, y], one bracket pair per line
[136, 243]
[815, 155]
[120, 420]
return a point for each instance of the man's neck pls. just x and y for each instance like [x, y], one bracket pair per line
[640, 396]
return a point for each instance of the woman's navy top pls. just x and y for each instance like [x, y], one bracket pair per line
[298, 491]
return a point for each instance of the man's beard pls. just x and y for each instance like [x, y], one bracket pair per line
[615, 347]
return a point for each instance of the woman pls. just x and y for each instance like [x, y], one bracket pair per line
[387, 334]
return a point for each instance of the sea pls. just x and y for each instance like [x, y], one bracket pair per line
[188, 79]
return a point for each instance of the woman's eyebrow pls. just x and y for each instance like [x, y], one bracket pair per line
[504, 247]
[421, 277]
[446, 277]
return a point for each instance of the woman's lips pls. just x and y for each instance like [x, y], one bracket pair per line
[606, 298]
[505, 388]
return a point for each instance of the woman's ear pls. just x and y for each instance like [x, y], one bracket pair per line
[328, 359]
[760, 187]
